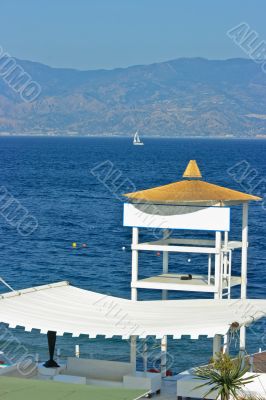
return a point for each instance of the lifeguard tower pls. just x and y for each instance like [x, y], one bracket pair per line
[195, 205]
[59, 308]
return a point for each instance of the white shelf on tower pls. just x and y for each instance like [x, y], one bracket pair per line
[171, 281]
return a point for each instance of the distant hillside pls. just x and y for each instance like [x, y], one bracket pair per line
[183, 97]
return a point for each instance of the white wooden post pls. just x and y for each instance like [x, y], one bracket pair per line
[166, 235]
[135, 239]
[244, 254]
[134, 294]
[163, 356]
[226, 343]
[133, 352]
[77, 352]
[145, 356]
[217, 343]
[244, 261]
[218, 280]
[225, 261]
[230, 273]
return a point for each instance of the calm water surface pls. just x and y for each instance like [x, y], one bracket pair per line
[52, 178]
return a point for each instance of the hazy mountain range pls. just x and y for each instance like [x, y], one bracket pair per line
[183, 97]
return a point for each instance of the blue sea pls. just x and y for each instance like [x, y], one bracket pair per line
[57, 180]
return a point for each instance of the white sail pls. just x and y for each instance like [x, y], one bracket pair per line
[136, 139]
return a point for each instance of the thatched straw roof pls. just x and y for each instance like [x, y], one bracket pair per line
[191, 191]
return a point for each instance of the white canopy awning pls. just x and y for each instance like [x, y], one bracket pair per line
[63, 308]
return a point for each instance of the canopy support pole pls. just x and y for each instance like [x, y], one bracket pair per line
[218, 280]
[217, 343]
[244, 260]
[133, 352]
[135, 240]
[51, 337]
[145, 356]
[163, 356]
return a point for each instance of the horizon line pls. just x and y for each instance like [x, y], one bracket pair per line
[136, 65]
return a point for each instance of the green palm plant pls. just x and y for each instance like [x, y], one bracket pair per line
[224, 376]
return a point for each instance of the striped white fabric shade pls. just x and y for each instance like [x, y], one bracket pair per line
[63, 308]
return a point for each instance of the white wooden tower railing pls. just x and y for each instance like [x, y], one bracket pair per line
[191, 204]
[218, 278]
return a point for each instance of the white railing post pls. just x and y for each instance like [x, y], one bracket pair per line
[209, 268]
[134, 294]
[135, 240]
[218, 277]
[244, 253]
[244, 260]
[166, 235]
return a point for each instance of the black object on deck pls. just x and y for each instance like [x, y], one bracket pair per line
[51, 336]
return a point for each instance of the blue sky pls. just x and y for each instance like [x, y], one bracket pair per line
[92, 34]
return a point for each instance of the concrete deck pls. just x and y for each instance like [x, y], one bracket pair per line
[12, 388]
[22, 389]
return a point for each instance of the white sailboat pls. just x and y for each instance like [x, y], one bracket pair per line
[136, 140]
